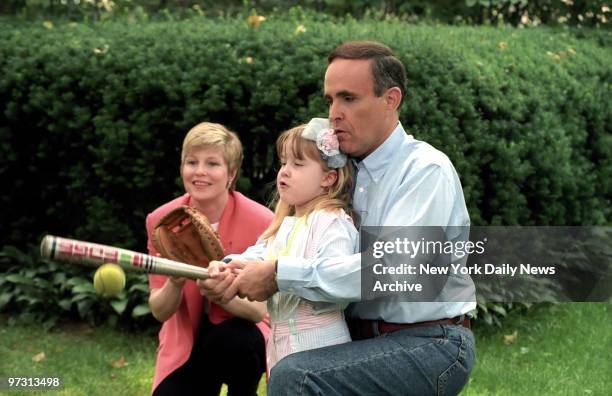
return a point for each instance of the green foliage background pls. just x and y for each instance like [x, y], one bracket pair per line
[513, 12]
[94, 115]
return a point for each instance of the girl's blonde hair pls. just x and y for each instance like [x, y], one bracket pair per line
[336, 197]
[208, 134]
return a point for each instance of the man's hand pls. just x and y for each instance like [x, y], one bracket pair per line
[256, 280]
[215, 287]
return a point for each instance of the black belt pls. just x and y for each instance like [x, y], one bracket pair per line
[363, 329]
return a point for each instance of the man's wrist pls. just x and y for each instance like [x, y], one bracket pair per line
[276, 274]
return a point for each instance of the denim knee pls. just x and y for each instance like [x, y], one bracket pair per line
[285, 375]
[454, 378]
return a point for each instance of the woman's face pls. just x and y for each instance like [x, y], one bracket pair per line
[205, 174]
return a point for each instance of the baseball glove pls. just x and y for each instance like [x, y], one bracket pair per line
[185, 235]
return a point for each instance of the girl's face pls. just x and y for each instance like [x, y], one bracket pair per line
[299, 181]
[205, 175]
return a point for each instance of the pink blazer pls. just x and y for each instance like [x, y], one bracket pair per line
[242, 222]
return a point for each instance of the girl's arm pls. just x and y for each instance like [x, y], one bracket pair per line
[333, 257]
[255, 252]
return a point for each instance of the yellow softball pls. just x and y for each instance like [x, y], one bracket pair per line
[109, 280]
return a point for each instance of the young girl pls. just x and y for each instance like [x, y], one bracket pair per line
[314, 185]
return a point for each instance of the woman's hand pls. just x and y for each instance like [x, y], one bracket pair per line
[164, 302]
[178, 282]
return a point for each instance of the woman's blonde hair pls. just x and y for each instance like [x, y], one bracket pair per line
[336, 197]
[208, 134]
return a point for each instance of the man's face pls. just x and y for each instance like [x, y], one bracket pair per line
[360, 119]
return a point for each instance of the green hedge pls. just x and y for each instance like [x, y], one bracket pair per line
[93, 115]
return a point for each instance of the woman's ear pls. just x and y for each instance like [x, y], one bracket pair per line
[231, 177]
[330, 178]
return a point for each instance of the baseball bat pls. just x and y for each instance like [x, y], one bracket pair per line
[93, 255]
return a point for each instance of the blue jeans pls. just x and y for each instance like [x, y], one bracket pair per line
[433, 360]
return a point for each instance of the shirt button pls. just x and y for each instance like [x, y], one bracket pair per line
[361, 189]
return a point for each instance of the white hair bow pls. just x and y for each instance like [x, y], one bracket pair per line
[319, 130]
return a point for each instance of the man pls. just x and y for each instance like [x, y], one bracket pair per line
[399, 347]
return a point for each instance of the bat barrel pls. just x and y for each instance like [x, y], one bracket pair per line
[93, 255]
[73, 251]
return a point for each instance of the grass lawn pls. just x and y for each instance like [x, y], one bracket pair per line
[563, 349]
[91, 361]
[554, 350]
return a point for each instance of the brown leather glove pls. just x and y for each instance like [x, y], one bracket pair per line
[185, 235]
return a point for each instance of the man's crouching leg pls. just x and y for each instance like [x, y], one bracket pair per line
[433, 360]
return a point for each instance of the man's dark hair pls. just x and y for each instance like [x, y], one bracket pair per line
[387, 70]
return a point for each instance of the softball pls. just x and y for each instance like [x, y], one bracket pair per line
[109, 280]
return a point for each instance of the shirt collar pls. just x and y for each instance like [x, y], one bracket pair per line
[377, 162]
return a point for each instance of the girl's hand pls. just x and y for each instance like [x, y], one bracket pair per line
[215, 268]
[219, 280]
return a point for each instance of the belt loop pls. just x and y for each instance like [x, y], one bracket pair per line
[460, 320]
[375, 329]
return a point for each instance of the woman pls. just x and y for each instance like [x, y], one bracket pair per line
[202, 344]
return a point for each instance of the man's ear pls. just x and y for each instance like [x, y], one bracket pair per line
[393, 98]
[330, 178]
